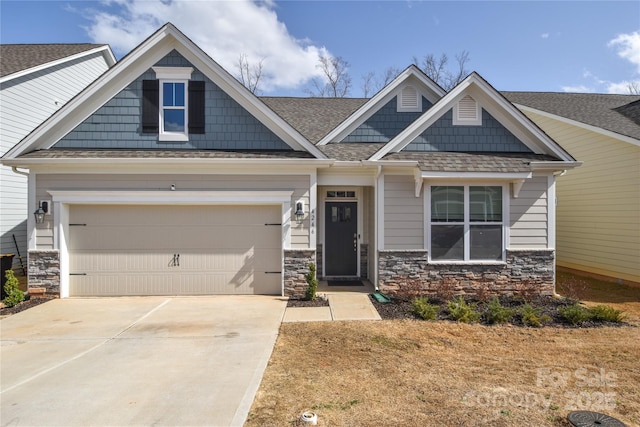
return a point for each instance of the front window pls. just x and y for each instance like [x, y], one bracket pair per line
[466, 223]
[173, 112]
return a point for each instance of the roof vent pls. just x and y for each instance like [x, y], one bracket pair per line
[467, 112]
[409, 100]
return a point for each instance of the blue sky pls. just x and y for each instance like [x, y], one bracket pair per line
[586, 46]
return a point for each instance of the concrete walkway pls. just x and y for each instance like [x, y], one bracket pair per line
[345, 303]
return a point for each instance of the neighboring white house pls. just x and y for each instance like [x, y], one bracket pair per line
[35, 81]
[598, 219]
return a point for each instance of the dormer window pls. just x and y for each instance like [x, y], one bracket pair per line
[173, 105]
[467, 112]
[409, 100]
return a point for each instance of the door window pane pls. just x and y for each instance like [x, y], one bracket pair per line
[447, 242]
[447, 204]
[486, 242]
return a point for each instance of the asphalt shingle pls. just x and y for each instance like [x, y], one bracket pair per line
[471, 162]
[164, 154]
[20, 57]
[615, 113]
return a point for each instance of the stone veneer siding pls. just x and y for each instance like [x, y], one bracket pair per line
[319, 270]
[296, 265]
[408, 272]
[44, 270]
[364, 261]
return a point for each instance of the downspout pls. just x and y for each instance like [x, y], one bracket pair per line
[15, 170]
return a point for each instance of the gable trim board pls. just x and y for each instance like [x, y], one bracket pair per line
[134, 64]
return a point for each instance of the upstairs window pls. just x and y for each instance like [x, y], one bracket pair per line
[173, 105]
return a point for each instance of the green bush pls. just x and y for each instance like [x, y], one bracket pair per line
[532, 316]
[604, 313]
[14, 294]
[312, 282]
[497, 313]
[426, 311]
[463, 312]
[575, 314]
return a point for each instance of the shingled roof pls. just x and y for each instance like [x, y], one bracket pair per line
[314, 117]
[471, 162]
[165, 154]
[20, 57]
[615, 113]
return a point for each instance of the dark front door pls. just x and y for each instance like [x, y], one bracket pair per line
[341, 243]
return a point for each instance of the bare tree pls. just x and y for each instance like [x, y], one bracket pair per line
[249, 74]
[372, 84]
[634, 87]
[336, 80]
[437, 68]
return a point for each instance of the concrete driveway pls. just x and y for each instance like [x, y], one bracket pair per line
[136, 361]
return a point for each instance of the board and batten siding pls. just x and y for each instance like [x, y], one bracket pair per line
[25, 102]
[598, 212]
[299, 184]
[403, 214]
[529, 215]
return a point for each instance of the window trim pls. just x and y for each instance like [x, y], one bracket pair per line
[173, 75]
[467, 223]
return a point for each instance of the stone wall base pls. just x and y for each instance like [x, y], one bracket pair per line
[296, 265]
[44, 270]
[408, 273]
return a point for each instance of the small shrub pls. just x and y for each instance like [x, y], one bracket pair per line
[426, 311]
[575, 314]
[532, 316]
[462, 311]
[497, 313]
[11, 288]
[446, 289]
[528, 290]
[312, 282]
[604, 313]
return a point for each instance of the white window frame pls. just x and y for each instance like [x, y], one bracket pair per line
[173, 75]
[467, 223]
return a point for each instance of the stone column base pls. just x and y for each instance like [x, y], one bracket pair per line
[44, 270]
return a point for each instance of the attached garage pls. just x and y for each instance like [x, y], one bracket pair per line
[174, 249]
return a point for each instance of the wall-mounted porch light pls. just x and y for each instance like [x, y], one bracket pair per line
[43, 208]
[299, 211]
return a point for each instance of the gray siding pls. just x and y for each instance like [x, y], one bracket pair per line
[529, 215]
[385, 124]
[490, 137]
[117, 124]
[403, 214]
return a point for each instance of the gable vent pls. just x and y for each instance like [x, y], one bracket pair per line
[467, 112]
[409, 100]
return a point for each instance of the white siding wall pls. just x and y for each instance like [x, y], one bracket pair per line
[25, 102]
[403, 214]
[598, 214]
[299, 184]
[529, 215]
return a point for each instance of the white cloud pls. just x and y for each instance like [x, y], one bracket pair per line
[625, 87]
[544, 35]
[577, 89]
[628, 47]
[223, 29]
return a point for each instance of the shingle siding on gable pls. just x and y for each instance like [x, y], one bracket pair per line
[117, 124]
[490, 137]
[385, 124]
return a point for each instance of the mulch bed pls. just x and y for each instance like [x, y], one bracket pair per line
[318, 302]
[26, 304]
[401, 308]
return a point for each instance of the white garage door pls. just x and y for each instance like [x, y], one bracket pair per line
[174, 250]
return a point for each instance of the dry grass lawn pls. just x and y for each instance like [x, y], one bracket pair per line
[405, 372]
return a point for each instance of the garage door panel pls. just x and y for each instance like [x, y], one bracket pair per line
[132, 250]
